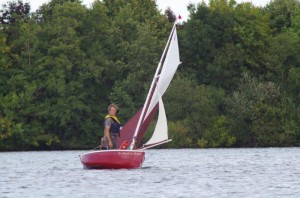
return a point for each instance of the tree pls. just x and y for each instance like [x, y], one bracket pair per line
[21, 129]
[5, 62]
[45, 12]
[258, 112]
[223, 40]
[293, 81]
[196, 105]
[139, 38]
[218, 135]
[281, 12]
[170, 15]
[62, 92]
[14, 12]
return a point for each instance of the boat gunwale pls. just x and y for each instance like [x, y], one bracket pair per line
[114, 150]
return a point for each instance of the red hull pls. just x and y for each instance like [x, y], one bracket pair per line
[113, 159]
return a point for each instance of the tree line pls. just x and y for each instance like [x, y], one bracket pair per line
[63, 64]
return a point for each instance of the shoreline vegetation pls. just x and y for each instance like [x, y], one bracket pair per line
[238, 85]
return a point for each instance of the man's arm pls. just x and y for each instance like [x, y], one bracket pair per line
[107, 135]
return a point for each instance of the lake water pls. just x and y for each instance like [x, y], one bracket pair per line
[261, 172]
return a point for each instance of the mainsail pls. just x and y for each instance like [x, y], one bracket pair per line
[164, 73]
[168, 70]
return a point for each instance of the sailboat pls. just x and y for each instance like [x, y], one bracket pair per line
[130, 154]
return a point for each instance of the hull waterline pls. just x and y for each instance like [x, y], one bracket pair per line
[113, 159]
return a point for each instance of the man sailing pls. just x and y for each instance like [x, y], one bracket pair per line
[112, 127]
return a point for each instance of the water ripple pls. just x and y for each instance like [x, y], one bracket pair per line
[268, 172]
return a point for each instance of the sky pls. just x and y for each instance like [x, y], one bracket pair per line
[179, 7]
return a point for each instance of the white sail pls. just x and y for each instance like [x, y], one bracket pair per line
[160, 83]
[168, 70]
[160, 133]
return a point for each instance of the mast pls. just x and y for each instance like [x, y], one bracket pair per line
[150, 91]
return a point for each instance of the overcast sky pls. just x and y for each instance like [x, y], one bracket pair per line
[178, 6]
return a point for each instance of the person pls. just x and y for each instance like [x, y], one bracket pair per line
[112, 127]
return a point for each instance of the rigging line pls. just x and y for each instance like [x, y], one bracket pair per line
[97, 147]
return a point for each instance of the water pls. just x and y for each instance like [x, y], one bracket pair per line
[267, 172]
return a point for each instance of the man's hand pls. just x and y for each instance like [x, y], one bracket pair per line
[110, 144]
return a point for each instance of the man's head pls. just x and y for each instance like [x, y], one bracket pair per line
[112, 109]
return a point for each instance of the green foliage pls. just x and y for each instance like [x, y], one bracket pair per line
[4, 52]
[61, 66]
[266, 125]
[223, 40]
[196, 104]
[281, 12]
[258, 114]
[294, 83]
[295, 18]
[218, 135]
[179, 134]
[66, 60]
[283, 56]
[138, 71]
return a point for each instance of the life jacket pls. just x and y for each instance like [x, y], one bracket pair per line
[115, 126]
